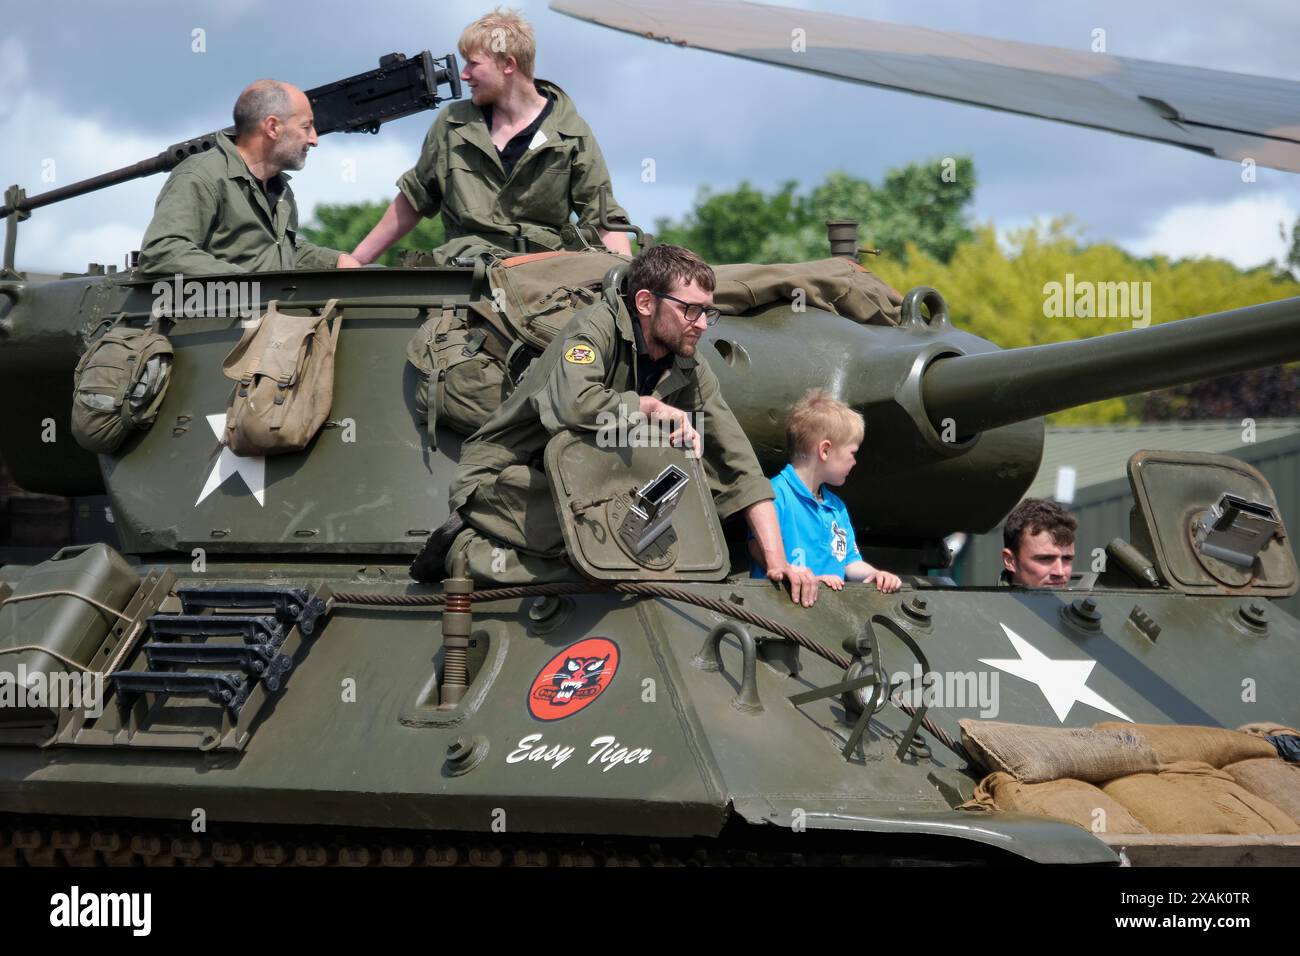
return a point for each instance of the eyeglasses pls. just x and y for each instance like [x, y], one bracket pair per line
[693, 310]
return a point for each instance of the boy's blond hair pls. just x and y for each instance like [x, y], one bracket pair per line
[818, 416]
[502, 33]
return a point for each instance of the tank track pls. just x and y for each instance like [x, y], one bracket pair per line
[31, 841]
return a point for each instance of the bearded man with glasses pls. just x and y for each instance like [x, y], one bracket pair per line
[625, 354]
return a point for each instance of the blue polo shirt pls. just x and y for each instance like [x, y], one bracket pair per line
[817, 534]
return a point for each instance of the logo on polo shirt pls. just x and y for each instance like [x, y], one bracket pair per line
[839, 541]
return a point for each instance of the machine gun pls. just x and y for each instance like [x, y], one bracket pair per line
[359, 104]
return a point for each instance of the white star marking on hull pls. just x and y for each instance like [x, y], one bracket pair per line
[1063, 683]
[252, 470]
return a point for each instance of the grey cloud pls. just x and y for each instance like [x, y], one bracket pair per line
[703, 119]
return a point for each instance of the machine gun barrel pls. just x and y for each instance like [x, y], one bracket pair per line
[988, 390]
[167, 159]
[362, 103]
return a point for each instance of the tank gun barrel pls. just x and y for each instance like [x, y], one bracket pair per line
[988, 390]
[168, 159]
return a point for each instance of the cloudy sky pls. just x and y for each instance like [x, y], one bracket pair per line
[88, 86]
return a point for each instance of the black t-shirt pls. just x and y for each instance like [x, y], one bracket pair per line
[648, 370]
[274, 189]
[518, 144]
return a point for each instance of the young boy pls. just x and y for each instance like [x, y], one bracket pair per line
[822, 437]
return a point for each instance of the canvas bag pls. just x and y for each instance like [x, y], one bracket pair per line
[119, 386]
[534, 296]
[470, 359]
[836, 285]
[284, 372]
[462, 365]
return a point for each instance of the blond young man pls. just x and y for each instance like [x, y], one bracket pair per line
[822, 436]
[507, 167]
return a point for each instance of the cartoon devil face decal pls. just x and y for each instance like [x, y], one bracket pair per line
[578, 675]
[573, 678]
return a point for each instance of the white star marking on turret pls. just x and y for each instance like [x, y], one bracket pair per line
[1062, 682]
[252, 470]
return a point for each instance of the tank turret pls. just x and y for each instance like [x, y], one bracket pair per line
[954, 431]
[954, 428]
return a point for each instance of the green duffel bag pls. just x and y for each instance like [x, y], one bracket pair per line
[119, 386]
[462, 365]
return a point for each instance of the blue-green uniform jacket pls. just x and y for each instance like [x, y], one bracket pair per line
[212, 217]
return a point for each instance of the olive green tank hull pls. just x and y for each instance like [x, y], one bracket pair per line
[663, 748]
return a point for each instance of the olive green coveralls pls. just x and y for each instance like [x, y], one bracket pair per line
[213, 217]
[585, 379]
[460, 174]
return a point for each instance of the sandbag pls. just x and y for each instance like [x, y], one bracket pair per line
[835, 285]
[1216, 746]
[1192, 797]
[1036, 754]
[284, 369]
[1267, 729]
[118, 387]
[1073, 801]
[1270, 779]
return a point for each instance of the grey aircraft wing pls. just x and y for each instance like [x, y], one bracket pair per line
[1233, 116]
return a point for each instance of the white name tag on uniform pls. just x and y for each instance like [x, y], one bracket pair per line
[538, 139]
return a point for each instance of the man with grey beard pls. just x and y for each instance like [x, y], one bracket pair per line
[230, 209]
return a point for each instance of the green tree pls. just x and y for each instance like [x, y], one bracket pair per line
[1292, 261]
[999, 291]
[1260, 393]
[732, 226]
[920, 204]
[923, 203]
[343, 226]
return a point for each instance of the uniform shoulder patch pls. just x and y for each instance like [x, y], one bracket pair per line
[580, 355]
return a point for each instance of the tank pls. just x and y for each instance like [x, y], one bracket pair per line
[275, 690]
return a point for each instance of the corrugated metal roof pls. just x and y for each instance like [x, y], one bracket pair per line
[1101, 453]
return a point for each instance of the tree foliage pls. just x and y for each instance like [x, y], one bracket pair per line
[1260, 393]
[1292, 261]
[924, 204]
[999, 291]
[343, 226]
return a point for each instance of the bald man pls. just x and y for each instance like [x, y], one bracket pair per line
[230, 209]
